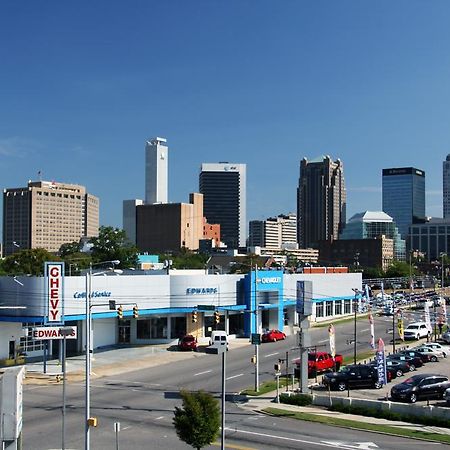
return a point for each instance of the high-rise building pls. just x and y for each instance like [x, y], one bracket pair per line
[46, 215]
[223, 186]
[372, 225]
[129, 218]
[446, 186]
[273, 232]
[404, 196]
[156, 171]
[321, 201]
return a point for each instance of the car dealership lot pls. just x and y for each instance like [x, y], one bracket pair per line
[442, 367]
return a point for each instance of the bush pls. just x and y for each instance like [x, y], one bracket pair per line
[389, 415]
[297, 399]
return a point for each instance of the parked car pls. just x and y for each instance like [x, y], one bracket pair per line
[352, 376]
[401, 367]
[413, 361]
[391, 373]
[434, 353]
[437, 346]
[423, 356]
[421, 387]
[447, 396]
[446, 337]
[188, 342]
[319, 362]
[417, 330]
[273, 336]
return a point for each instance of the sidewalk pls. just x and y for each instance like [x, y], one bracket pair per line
[268, 401]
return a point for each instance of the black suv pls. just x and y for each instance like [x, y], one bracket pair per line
[353, 376]
[421, 387]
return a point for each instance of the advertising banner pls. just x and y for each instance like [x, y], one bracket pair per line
[54, 274]
[426, 310]
[51, 333]
[372, 329]
[400, 326]
[332, 338]
[381, 362]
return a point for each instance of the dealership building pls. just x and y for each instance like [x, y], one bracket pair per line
[246, 303]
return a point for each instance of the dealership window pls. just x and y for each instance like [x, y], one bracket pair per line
[319, 309]
[27, 344]
[177, 327]
[338, 307]
[347, 306]
[155, 328]
[329, 308]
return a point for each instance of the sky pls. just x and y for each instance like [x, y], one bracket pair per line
[84, 84]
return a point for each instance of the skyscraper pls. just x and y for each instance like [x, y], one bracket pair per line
[156, 171]
[46, 215]
[446, 187]
[223, 186]
[321, 201]
[404, 196]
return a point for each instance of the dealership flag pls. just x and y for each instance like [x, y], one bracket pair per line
[372, 329]
[381, 362]
[331, 335]
[427, 313]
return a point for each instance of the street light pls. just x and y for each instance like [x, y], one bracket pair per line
[356, 291]
[88, 419]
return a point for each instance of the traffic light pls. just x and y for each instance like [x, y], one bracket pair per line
[216, 317]
[277, 367]
[253, 359]
[135, 311]
[194, 316]
[120, 312]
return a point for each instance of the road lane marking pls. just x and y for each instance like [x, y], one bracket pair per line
[322, 341]
[271, 354]
[235, 376]
[159, 418]
[365, 329]
[304, 441]
[202, 373]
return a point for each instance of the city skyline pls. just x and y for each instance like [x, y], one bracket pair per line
[366, 84]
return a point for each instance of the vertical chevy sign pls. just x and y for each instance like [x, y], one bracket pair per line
[54, 275]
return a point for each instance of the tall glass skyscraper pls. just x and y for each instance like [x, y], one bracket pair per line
[223, 186]
[446, 187]
[404, 196]
[156, 171]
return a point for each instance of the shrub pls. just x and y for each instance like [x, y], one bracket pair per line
[297, 399]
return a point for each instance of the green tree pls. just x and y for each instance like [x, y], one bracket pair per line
[112, 244]
[69, 249]
[398, 269]
[28, 262]
[197, 422]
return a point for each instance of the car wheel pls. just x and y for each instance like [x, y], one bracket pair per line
[342, 386]
[434, 358]
[399, 373]
[378, 385]
[413, 398]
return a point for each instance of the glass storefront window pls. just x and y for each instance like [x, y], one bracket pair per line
[346, 306]
[329, 308]
[319, 309]
[338, 307]
[152, 328]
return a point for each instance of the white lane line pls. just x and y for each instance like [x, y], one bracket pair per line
[283, 438]
[235, 376]
[365, 329]
[202, 373]
[271, 354]
[159, 418]
[322, 341]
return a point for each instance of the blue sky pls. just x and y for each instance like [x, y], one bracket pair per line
[266, 83]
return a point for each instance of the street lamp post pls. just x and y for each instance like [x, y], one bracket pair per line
[256, 331]
[355, 304]
[89, 274]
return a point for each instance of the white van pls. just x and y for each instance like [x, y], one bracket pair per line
[218, 338]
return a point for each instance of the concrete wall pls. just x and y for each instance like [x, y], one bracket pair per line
[9, 331]
[400, 408]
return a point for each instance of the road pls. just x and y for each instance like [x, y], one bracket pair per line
[143, 402]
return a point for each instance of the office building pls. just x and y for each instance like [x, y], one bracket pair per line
[129, 218]
[432, 238]
[273, 232]
[156, 171]
[46, 215]
[223, 186]
[321, 201]
[374, 224]
[404, 196]
[170, 226]
[446, 187]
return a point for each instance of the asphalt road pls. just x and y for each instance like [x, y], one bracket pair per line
[143, 402]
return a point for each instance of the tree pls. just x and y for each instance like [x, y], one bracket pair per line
[28, 262]
[197, 422]
[398, 269]
[112, 244]
[69, 249]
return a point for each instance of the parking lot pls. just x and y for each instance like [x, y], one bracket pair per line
[442, 367]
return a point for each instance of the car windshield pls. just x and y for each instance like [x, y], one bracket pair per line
[346, 369]
[412, 327]
[311, 356]
[412, 381]
[188, 338]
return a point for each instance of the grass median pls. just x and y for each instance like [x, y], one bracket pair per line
[338, 422]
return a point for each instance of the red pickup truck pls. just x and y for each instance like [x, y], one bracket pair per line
[320, 362]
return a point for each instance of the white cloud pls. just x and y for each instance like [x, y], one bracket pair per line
[17, 147]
